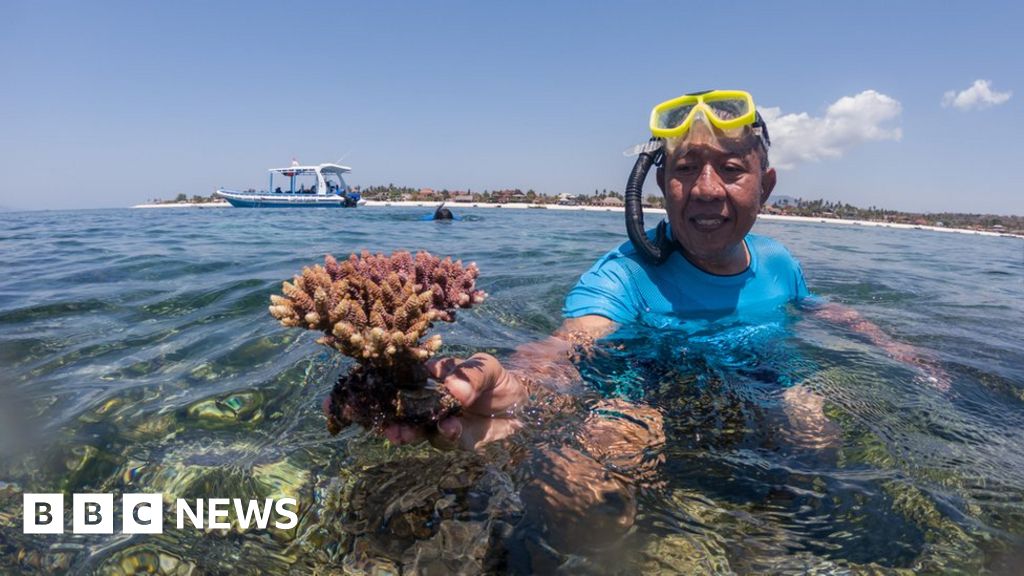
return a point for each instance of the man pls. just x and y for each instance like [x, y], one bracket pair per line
[715, 178]
[704, 265]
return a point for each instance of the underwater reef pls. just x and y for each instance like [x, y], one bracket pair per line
[376, 310]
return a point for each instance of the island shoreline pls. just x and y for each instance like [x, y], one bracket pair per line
[658, 211]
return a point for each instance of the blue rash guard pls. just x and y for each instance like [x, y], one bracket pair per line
[624, 288]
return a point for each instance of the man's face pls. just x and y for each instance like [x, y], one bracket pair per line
[713, 191]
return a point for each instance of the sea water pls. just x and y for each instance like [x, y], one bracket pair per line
[137, 355]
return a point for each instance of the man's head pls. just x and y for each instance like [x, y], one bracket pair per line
[715, 181]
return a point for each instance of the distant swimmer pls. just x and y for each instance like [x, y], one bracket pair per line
[443, 213]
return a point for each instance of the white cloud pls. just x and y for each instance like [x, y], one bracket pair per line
[979, 95]
[849, 121]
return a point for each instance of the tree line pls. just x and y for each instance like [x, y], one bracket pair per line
[829, 209]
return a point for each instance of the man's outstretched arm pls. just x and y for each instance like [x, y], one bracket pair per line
[491, 395]
[900, 351]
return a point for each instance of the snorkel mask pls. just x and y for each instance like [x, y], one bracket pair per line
[723, 118]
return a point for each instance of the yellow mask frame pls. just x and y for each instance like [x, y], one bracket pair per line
[673, 118]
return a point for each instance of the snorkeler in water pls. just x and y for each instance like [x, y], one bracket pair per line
[442, 213]
[711, 154]
[710, 150]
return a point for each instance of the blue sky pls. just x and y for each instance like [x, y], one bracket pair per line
[108, 104]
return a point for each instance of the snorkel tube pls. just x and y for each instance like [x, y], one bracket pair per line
[657, 251]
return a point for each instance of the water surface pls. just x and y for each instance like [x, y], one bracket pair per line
[137, 355]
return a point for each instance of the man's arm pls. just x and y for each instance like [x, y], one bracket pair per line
[550, 360]
[492, 396]
[805, 409]
[852, 320]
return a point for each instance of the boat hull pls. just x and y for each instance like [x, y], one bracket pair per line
[240, 200]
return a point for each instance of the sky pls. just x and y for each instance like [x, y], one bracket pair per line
[909, 106]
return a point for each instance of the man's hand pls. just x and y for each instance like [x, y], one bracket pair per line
[490, 398]
[809, 427]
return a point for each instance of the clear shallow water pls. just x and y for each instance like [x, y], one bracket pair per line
[136, 354]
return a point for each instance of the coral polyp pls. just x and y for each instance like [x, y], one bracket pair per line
[376, 309]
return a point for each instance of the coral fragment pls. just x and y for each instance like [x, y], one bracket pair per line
[376, 309]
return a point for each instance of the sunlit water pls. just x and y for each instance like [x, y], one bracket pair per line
[137, 355]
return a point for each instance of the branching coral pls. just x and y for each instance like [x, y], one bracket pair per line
[375, 309]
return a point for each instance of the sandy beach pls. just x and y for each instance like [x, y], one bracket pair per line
[658, 211]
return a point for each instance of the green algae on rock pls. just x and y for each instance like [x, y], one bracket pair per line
[375, 309]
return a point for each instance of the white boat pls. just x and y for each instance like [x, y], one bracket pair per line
[327, 189]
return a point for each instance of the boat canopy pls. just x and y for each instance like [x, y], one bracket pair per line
[323, 173]
[296, 170]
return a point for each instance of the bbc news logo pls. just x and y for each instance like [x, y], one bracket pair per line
[143, 513]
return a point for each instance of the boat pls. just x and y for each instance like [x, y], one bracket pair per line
[327, 189]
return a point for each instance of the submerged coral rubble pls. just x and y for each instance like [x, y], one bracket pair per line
[375, 309]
